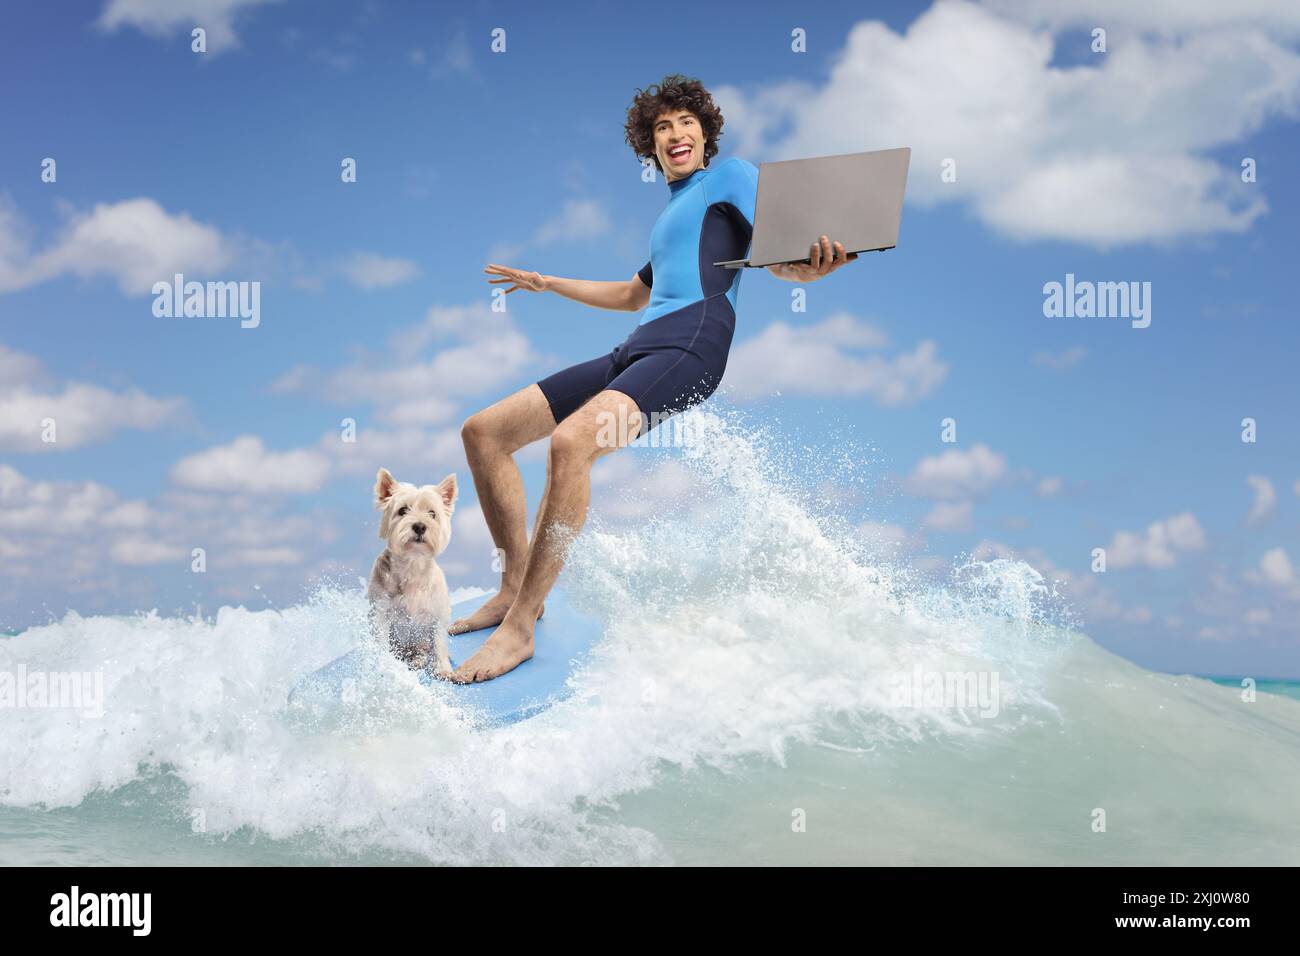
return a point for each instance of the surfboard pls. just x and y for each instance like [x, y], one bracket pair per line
[562, 641]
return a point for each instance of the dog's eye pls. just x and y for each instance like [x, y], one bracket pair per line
[402, 510]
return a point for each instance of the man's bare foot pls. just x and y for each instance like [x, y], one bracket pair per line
[508, 647]
[492, 613]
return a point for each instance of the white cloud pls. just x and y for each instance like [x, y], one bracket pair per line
[455, 58]
[486, 352]
[419, 455]
[505, 253]
[442, 322]
[135, 242]
[1050, 487]
[264, 556]
[461, 370]
[1265, 498]
[81, 542]
[129, 514]
[1275, 567]
[78, 524]
[419, 411]
[949, 516]
[1164, 197]
[418, 397]
[1276, 573]
[246, 465]
[828, 358]
[81, 413]
[578, 219]
[1159, 547]
[378, 272]
[52, 508]
[1159, 16]
[145, 551]
[1112, 152]
[958, 474]
[19, 368]
[167, 18]
[1269, 605]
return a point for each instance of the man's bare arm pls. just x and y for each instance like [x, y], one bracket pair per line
[627, 296]
[631, 295]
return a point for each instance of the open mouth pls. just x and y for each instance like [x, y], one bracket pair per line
[679, 154]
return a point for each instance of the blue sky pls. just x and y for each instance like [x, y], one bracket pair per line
[1072, 433]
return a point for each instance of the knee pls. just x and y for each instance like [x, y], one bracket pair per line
[569, 448]
[477, 431]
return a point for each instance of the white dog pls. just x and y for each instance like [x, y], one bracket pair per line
[410, 608]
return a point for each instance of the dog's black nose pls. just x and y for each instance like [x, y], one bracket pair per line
[419, 529]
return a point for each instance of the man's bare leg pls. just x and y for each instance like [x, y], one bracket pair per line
[606, 423]
[491, 438]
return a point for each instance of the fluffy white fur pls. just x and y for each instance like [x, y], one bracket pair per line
[410, 608]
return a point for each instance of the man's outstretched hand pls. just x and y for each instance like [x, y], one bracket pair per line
[532, 281]
[826, 257]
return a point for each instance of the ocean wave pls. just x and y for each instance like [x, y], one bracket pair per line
[753, 650]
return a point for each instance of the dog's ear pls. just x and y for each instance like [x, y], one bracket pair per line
[384, 484]
[447, 489]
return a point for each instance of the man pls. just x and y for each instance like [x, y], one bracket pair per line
[674, 359]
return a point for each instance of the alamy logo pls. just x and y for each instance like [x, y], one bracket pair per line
[208, 300]
[947, 690]
[103, 909]
[73, 690]
[662, 430]
[1102, 300]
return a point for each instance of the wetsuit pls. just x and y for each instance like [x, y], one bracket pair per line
[676, 355]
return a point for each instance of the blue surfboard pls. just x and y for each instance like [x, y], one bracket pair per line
[562, 641]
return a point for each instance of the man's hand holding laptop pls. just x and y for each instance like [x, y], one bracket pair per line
[824, 258]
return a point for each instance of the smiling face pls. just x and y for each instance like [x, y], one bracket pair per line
[415, 520]
[679, 143]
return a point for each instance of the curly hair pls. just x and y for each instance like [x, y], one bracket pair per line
[674, 92]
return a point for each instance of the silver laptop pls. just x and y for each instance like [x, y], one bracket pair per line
[854, 198]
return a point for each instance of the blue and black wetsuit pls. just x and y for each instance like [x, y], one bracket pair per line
[676, 356]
